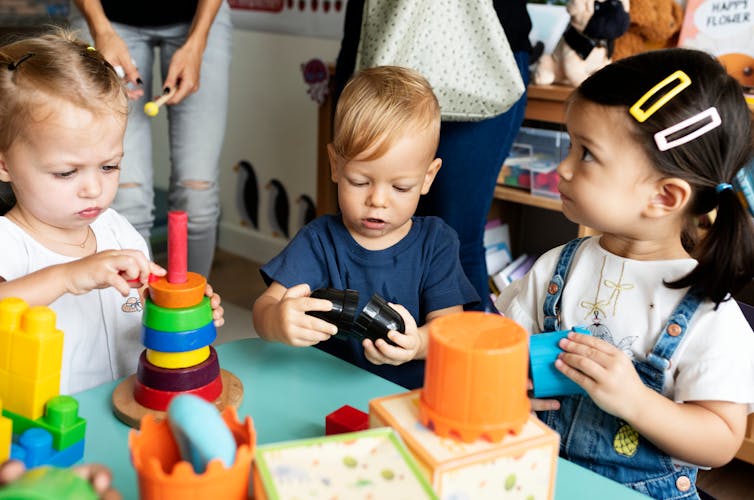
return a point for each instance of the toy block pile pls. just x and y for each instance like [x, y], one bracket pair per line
[38, 426]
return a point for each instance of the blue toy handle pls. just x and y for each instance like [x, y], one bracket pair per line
[547, 380]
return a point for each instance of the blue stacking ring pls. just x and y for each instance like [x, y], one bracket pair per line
[187, 340]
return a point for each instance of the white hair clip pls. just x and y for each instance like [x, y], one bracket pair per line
[710, 115]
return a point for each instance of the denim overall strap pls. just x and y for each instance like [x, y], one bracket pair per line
[653, 369]
[555, 287]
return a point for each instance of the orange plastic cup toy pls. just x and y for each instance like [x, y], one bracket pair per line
[475, 377]
[164, 476]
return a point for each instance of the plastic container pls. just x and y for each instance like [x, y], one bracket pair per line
[475, 377]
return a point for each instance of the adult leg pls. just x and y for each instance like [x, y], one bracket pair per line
[197, 129]
[472, 154]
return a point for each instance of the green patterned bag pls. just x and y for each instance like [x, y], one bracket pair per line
[458, 45]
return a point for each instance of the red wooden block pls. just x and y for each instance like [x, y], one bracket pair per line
[346, 419]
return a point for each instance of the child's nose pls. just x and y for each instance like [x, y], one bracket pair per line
[564, 169]
[378, 196]
[90, 187]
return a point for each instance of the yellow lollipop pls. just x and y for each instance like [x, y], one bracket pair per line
[153, 107]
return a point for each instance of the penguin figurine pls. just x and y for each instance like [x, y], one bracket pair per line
[278, 208]
[247, 194]
[307, 211]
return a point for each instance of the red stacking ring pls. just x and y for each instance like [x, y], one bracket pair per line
[155, 399]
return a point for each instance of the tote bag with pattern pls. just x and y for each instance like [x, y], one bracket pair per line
[458, 45]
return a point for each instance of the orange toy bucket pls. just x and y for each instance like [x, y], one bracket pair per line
[475, 377]
[164, 476]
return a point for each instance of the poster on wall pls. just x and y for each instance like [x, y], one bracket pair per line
[314, 18]
[725, 29]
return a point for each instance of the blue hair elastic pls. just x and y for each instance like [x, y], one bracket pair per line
[722, 187]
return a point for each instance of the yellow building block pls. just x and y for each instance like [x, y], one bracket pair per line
[6, 434]
[11, 311]
[520, 466]
[28, 396]
[37, 346]
[175, 360]
[31, 349]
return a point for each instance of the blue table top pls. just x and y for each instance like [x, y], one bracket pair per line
[288, 392]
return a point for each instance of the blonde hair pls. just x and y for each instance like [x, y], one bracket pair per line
[380, 104]
[36, 72]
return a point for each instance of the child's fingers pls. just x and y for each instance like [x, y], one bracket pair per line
[322, 305]
[408, 320]
[218, 316]
[301, 290]
[544, 404]
[11, 470]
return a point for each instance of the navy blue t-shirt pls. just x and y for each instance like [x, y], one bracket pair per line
[422, 272]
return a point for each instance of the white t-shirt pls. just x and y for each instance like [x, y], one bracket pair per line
[102, 329]
[625, 302]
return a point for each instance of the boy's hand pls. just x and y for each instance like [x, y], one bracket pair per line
[541, 404]
[605, 372]
[409, 344]
[217, 309]
[111, 268]
[293, 326]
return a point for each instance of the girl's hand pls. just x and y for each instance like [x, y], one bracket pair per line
[605, 372]
[111, 268]
[408, 344]
[217, 309]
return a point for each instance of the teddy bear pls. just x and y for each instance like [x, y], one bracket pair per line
[587, 43]
[654, 24]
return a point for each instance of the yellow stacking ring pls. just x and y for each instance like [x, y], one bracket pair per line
[175, 360]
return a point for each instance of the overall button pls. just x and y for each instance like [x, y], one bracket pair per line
[674, 330]
[683, 483]
[553, 288]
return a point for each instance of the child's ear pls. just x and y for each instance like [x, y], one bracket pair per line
[4, 174]
[334, 163]
[671, 195]
[430, 175]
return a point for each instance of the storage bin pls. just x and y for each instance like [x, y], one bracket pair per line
[533, 160]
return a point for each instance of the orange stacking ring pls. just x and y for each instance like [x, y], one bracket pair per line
[155, 399]
[475, 377]
[178, 295]
[163, 475]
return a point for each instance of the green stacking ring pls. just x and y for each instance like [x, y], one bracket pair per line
[176, 320]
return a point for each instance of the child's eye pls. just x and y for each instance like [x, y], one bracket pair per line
[64, 175]
[402, 189]
[110, 168]
[586, 155]
[356, 183]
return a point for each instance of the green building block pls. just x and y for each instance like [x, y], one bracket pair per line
[61, 419]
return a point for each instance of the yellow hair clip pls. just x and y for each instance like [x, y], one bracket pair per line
[91, 49]
[642, 115]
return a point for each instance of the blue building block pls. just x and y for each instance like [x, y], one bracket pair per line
[548, 381]
[34, 448]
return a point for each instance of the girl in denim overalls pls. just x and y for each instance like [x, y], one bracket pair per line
[656, 142]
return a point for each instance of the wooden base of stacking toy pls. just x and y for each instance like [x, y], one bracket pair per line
[130, 412]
